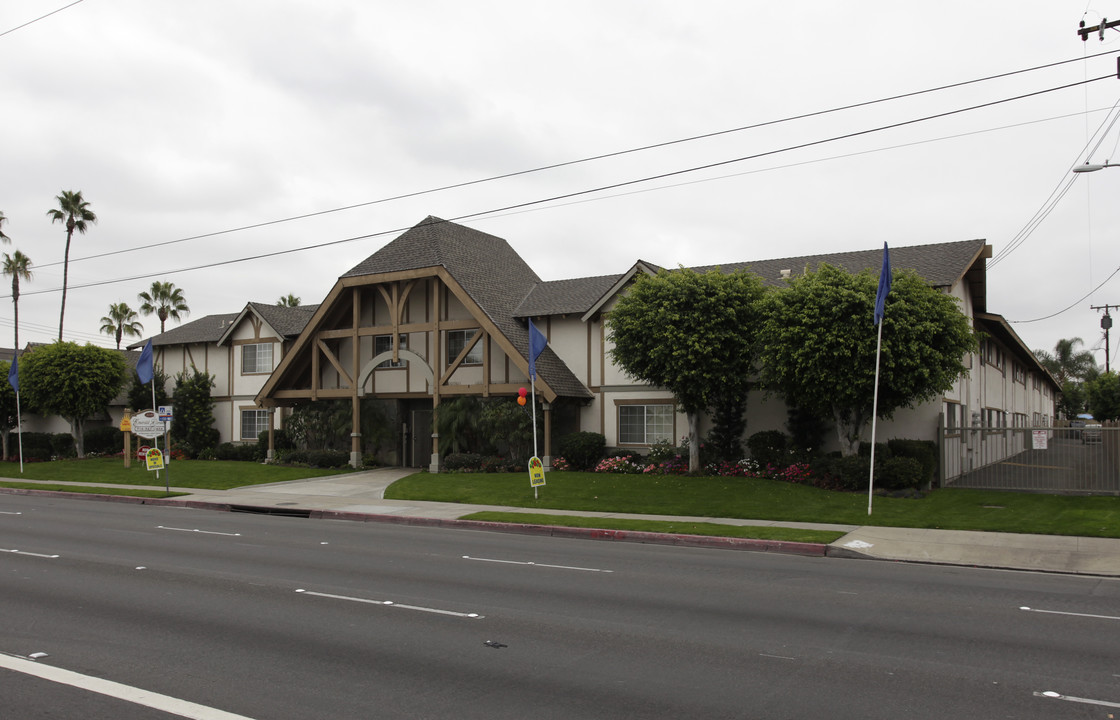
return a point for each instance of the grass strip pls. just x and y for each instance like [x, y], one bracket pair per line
[201, 474]
[92, 490]
[755, 532]
[763, 499]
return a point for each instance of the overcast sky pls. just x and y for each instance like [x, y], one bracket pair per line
[177, 120]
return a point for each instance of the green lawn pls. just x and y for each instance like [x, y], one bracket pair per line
[203, 474]
[772, 500]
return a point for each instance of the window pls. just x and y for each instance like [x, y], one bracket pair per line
[954, 417]
[992, 354]
[253, 423]
[457, 340]
[1019, 373]
[384, 343]
[256, 358]
[644, 424]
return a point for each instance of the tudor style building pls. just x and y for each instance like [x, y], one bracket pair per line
[442, 311]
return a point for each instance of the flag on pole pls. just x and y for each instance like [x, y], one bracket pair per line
[144, 368]
[884, 286]
[537, 342]
[13, 374]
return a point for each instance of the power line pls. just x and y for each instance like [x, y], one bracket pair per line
[593, 158]
[590, 191]
[42, 17]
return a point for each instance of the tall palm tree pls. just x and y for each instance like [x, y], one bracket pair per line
[1066, 363]
[165, 300]
[74, 212]
[121, 320]
[3, 238]
[289, 301]
[18, 267]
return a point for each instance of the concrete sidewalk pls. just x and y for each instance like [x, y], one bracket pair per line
[360, 496]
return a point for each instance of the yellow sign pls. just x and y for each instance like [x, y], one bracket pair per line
[126, 424]
[154, 459]
[536, 472]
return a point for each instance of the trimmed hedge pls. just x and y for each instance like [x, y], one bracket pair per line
[583, 450]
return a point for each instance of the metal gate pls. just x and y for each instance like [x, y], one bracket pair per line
[1037, 459]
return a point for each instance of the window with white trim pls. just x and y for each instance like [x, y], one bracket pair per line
[256, 358]
[644, 424]
[384, 343]
[253, 423]
[457, 340]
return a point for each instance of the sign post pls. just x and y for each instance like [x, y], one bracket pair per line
[149, 425]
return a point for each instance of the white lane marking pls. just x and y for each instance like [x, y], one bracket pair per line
[10, 513]
[204, 532]
[175, 706]
[544, 565]
[778, 657]
[21, 552]
[1071, 614]
[1058, 696]
[390, 603]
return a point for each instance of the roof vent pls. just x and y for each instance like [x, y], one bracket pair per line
[785, 274]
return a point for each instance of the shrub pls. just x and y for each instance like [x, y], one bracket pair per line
[842, 473]
[769, 447]
[619, 464]
[924, 451]
[36, 445]
[328, 458]
[62, 445]
[103, 440]
[559, 464]
[898, 473]
[462, 462]
[663, 450]
[229, 451]
[494, 464]
[582, 449]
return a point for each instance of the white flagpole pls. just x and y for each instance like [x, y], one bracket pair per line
[533, 412]
[874, 417]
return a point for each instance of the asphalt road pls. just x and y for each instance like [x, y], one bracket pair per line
[216, 615]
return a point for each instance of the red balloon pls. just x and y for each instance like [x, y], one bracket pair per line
[522, 392]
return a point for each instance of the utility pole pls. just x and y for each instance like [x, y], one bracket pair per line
[1085, 32]
[1106, 323]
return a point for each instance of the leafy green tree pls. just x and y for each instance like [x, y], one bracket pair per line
[288, 301]
[74, 212]
[1073, 400]
[140, 394]
[508, 426]
[818, 346]
[72, 381]
[165, 300]
[9, 418]
[1104, 396]
[729, 422]
[18, 267]
[321, 425]
[690, 333]
[193, 421]
[458, 421]
[121, 320]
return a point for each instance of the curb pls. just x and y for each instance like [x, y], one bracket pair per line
[634, 536]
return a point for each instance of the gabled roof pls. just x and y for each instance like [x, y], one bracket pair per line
[999, 328]
[562, 297]
[940, 264]
[204, 330]
[286, 322]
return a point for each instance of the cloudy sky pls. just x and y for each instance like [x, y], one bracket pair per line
[196, 129]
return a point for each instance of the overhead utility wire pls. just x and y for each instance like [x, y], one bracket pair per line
[42, 17]
[589, 191]
[1075, 304]
[592, 158]
[1064, 185]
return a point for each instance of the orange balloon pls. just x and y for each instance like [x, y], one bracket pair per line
[521, 400]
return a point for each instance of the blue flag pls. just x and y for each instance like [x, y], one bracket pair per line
[144, 369]
[537, 342]
[884, 286]
[13, 374]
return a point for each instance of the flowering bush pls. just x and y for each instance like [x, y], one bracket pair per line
[743, 468]
[559, 464]
[797, 473]
[619, 465]
[671, 466]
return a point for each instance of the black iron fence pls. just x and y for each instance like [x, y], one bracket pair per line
[1037, 459]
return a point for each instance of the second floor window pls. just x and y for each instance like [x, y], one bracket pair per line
[256, 358]
[384, 343]
[457, 340]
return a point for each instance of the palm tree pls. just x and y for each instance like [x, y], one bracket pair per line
[121, 320]
[3, 238]
[165, 300]
[289, 301]
[18, 266]
[74, 211]
[1066, 363]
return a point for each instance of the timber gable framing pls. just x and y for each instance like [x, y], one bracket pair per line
[349, 315]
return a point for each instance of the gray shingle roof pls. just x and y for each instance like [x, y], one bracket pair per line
[561, 297]
[488, 269]
[204, 330]
[941, 264]
[288, 321]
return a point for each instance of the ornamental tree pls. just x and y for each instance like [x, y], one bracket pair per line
[71, 380]
[692, 334]
[818, 346]
[9, 418]
[193, 423]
